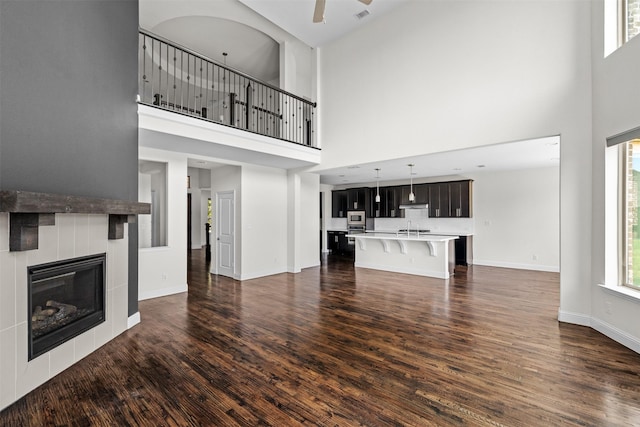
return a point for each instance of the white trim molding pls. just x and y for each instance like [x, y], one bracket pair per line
[156, 293]
[133, 320]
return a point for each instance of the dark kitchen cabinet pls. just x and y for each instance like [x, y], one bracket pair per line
[379, 209]
[460, 199]
[420, 191]
[463, 247]
[445, 199]
[332, 241]
[372, 206]
[338, 243]
[358, 199]
[393, 197]
[387, 208]
[438, 200]
[339, 203]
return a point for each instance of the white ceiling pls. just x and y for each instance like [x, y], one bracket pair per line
[248, 50]
[295, 17]
[532, 153]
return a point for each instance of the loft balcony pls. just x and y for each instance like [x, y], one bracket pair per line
[176, 80]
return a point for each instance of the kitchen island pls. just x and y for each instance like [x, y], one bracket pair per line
[428, 255]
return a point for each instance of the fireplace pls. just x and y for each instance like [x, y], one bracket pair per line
[66, 298]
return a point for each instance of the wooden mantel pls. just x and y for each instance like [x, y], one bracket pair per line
[29, 210]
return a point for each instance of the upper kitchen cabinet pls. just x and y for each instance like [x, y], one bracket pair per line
[460, 199]
[394, 197]
[389, 201]
[438, 200]
[339, 203]
[358, 199]
[378, 209]
[450, 199]
[420, 191]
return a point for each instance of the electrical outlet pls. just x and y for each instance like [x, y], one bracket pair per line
[607, 306]
[163, 276]
[535, 257]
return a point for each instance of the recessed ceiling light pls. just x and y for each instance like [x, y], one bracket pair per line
[353, 167]
[457, 169]
[341, 176]
[481, 166]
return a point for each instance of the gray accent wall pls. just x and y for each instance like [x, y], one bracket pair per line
[68, 116]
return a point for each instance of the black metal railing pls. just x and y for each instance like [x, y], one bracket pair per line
[174, 78]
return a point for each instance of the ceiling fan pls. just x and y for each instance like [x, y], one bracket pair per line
[318, 13]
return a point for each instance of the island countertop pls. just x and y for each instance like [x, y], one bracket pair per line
[430, 232]
[429, 255]
[422, 237]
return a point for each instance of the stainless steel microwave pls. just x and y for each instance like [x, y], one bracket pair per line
[356, 218]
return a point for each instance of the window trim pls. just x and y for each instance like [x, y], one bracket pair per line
[619, 142]
[622, 22]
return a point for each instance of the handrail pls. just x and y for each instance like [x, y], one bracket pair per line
[175, 78]
[233, 70]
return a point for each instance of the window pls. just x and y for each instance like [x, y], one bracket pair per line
[629, 13]
[630, 208]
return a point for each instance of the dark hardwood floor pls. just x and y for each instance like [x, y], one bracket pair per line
[336, 347]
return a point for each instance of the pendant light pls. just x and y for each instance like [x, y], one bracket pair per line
[412, 197]
[377, 185]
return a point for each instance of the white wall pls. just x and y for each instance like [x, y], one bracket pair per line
[264, 221]
[517, 219]
[452, 75]
[615, 99]
[309, 232]
[433, 77]
[163, 270]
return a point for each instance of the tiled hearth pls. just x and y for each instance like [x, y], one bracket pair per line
[73, 235]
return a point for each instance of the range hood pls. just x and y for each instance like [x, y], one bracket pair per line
[415, 206]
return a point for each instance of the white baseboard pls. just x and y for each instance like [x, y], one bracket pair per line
[616, 334]
[133, 320]
[519, 266]
[575, 318]
[258, 274]
[156, 293]
[610, 331]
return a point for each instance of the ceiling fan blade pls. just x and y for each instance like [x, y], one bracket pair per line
[318, 13]
[367, 2]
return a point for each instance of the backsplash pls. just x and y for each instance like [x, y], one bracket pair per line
[419, 219]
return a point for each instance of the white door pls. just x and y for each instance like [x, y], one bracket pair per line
[225, 234]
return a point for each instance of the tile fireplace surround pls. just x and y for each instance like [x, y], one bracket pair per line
[80, 229]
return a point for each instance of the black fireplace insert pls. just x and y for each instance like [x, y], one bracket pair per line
[66, 298]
